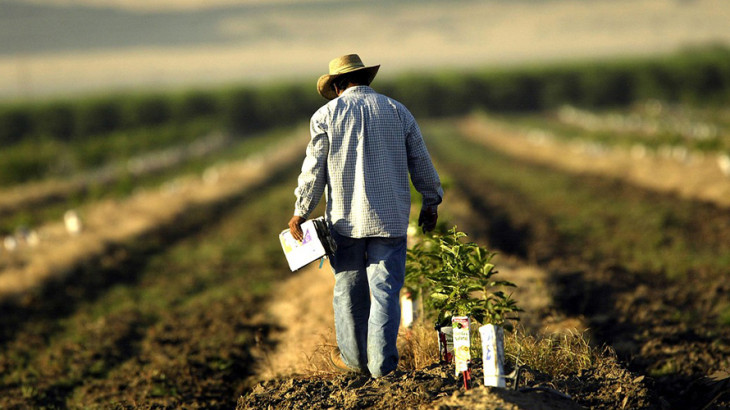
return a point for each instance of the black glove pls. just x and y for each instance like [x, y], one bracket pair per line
[427, 219]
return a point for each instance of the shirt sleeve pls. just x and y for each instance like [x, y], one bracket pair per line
[423, 174]
[313, 178]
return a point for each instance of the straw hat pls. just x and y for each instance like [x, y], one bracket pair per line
[343, 65]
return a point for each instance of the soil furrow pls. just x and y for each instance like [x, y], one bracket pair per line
[111, 222]
[696, 177]
[37, 195]
[163, 320]
[666, 329]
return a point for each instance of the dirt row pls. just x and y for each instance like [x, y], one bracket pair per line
[42, 193]
[644, 316]
[162, 322]
[696, 176]
[611, 301]
[159, 320]
[294, 371]
[631, 312]
[111, 222]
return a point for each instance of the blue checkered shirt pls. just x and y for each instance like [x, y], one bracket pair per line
[363, 148]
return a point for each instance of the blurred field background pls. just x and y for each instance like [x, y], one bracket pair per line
[171, 132]
[55, 47]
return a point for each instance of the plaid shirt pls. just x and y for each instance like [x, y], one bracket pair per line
[364, 146]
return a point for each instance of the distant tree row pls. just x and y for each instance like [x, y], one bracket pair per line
[241, 108]
[691, 76]
[699, 76]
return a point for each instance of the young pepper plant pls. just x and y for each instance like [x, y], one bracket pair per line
[456, 278]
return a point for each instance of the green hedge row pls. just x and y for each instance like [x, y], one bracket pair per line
[242, 109]
[700, 76]
[75, 120]
[692, 76]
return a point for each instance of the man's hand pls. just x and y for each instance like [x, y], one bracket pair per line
[428, 217]
[295, 228]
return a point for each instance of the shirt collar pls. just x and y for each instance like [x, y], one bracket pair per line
[360, 89]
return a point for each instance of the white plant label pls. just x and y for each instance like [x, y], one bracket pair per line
[407, 311]
[493, 355]
[462, 355]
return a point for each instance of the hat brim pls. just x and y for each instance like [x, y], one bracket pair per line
[324, 84]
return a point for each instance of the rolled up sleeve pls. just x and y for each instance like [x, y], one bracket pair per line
[313, 178]
[423, 174]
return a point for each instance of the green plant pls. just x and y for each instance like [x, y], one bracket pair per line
[457, 279]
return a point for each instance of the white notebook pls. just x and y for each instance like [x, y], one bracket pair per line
[316, 244]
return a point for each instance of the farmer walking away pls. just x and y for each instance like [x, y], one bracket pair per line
[363, 148]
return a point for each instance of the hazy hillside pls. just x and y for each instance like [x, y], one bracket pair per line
[58, 46]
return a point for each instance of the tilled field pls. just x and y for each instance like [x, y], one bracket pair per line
[596, 236]
[175, 317]
[160, 310]
[667, 329]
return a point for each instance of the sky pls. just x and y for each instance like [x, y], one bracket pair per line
[66, 47]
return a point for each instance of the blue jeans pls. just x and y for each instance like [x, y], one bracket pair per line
[367, 328]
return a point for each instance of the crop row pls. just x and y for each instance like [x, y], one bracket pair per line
[650, 125]
[691, 76]
[241, 109]
[34, 204]
[40, 159]
[165, 320]
[638, 265]
[598, 221]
